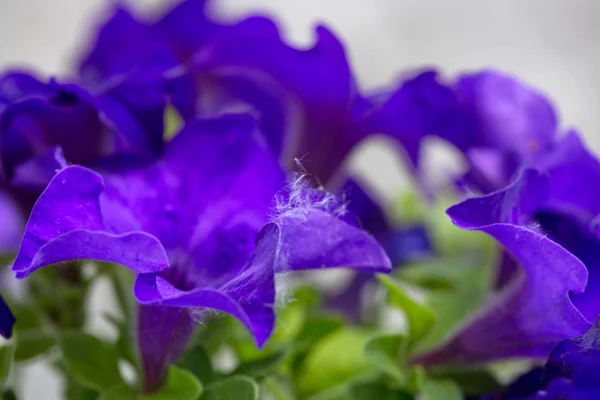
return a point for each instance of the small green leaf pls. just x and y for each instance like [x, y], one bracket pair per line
[388, 353]
[173, 123]
[262, 367]
[233, 388]
[198, 362]
[334, 360]
[8, 395]
[278, 388]
[376, 391]
[32, 343]
[180, 385]
[6, 357]
[420, 318]
[118, 392]
[125, 344]
[317, 327]
[433, 389]
[471, 381]
[90, 361]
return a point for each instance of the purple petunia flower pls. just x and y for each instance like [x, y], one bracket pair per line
[572, 370]
[546, 221]
[307, 100]
[532, 311]
[198, 228]
[497, 122]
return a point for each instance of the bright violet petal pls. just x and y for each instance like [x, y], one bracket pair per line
[66, 224]
[7, 320]
[215, 174]
[583, 244]
[249, 297]
[533, 312]
[315, 233]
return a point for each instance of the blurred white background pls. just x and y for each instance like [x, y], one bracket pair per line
[552, 44]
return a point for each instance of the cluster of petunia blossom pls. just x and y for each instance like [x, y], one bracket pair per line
[209, 217]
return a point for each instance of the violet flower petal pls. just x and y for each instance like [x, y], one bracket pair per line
[533, 312]
[508, 114]
[315, 233]
[573, 365]
[66, 224]
[318, 82]
[130, 62]
[7, 320]
[250, 296]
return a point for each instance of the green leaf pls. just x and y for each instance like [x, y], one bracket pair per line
[388, 353]
[198, 362]
[433, 389]
[8, 395]
[262, 367]
[233, 388]
[471, 381]
[470, 287]
[125, 345]
[32, 343]
[6, 357]
[173, 123]
[118, 392]
[420, 318]
[317, 327]
[376, 391]
[90, 361]
[278, 388]
[334, 360]
[180, 385]
[32, 337]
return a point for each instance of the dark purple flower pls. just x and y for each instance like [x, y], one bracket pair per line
[533, 311]
[306, 100]
[130, 63]
[496, 121]
[7, 320]
[195, 227]
[573, 368]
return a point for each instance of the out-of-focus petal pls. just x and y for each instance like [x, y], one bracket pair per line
[533, 312]
[573, 367]
[13, 223]
[7, 320]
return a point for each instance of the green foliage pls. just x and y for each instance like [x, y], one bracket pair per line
[6, 357]
[334, 360]
[234, 388]
[388, 353]
[198, 362]
[420, 318]
[90, 361]
[180, 385]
